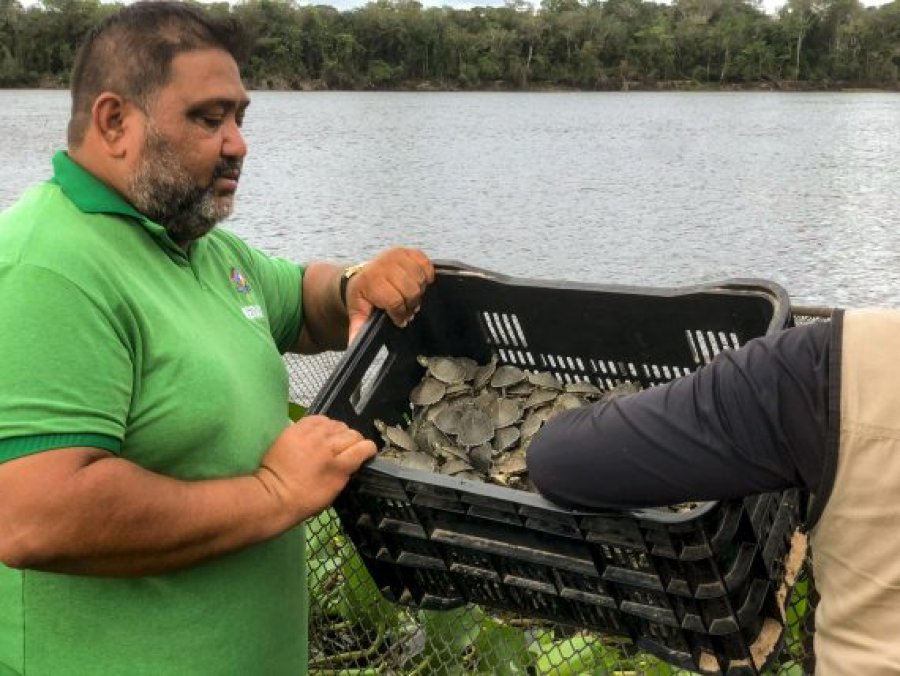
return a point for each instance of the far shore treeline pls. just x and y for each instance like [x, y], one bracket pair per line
[611, 45]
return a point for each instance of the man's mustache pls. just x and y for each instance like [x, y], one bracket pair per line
[228, 168]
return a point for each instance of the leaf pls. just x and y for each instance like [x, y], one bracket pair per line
[296, 411]
[360, 600]
[500, 649]
[324, 538]
[448, 637]
[577, 655]
[790, 669]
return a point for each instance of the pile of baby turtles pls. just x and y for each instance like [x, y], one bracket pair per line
[475, 421]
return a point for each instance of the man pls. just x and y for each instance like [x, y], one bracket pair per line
[151, 486]
[814, 406]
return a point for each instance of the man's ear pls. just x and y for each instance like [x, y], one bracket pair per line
[112, 118]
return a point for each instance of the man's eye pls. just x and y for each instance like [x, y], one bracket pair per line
[210, 122]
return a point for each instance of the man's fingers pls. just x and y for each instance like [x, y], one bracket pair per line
[355, 455]
[344, 439]
[426, 267]
[399, 297]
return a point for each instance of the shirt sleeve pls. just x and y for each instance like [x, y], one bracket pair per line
[67, 370]
[754, 420]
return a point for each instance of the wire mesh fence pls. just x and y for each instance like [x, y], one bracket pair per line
[354, 630]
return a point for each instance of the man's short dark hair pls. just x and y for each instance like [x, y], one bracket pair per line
[130, 53]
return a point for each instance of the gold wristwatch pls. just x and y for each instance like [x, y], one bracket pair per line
[346, 275]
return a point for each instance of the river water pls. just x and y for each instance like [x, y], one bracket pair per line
[658, 189]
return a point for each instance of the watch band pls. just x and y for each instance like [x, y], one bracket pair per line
[346, 275]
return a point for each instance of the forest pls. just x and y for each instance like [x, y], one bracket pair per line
[559, 44]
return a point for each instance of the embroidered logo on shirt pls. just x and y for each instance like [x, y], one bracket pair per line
[252, 312]
[240, 281]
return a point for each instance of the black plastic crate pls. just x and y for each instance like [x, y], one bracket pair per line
[693, 588]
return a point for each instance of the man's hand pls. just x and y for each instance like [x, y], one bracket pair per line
[309, 464]
[394, 282]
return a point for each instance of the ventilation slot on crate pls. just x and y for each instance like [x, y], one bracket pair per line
[504, 329]
[359, 398]
[705, 345]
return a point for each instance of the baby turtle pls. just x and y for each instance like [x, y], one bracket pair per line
[470, 366]
[622, 389]
[447, 421]
[567, 401]
[485, 399]
[505, 412]
[446, 369]
[507, 470]
[484, 373]
[428, 437]
[480, 457]
[506, 376]
[505, 438]
[457, 390]
[474, 428]
[455, 466]
[522, 389]
[432, 412]
[544, 379]
[450, 451]
[429, 391]
[532, 424]
[540, 397]
[584, 388]
[415, 460]
[395, 436]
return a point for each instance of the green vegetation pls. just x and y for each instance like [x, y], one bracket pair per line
[617, 44]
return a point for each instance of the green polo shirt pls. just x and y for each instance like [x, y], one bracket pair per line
[113, 337]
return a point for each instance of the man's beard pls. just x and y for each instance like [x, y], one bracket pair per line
[162, 189]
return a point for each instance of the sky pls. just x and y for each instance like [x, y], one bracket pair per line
[770, 6]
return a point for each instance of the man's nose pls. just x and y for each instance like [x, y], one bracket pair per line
[233, 145]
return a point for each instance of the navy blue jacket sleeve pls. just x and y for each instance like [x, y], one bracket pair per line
[752, 421]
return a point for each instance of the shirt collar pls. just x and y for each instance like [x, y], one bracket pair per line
[88, 192]
[93, 196]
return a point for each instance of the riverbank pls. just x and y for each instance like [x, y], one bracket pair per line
[605, 85]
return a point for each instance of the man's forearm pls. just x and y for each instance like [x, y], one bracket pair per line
[325, 322]
[114, 518]
[754, 420]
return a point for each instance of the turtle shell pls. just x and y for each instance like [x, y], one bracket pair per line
[505, 412]
[540, 397]
[544, 379]
[480, 457]
[447, 421]
[507, 376]
[474, 428]
[584, 388]
[395, 436]
[621, 390]
[429, 391]
[448, 370]
[415, 460]
[505, 438]
[484, 373]
[455, 466]
[567, 401]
